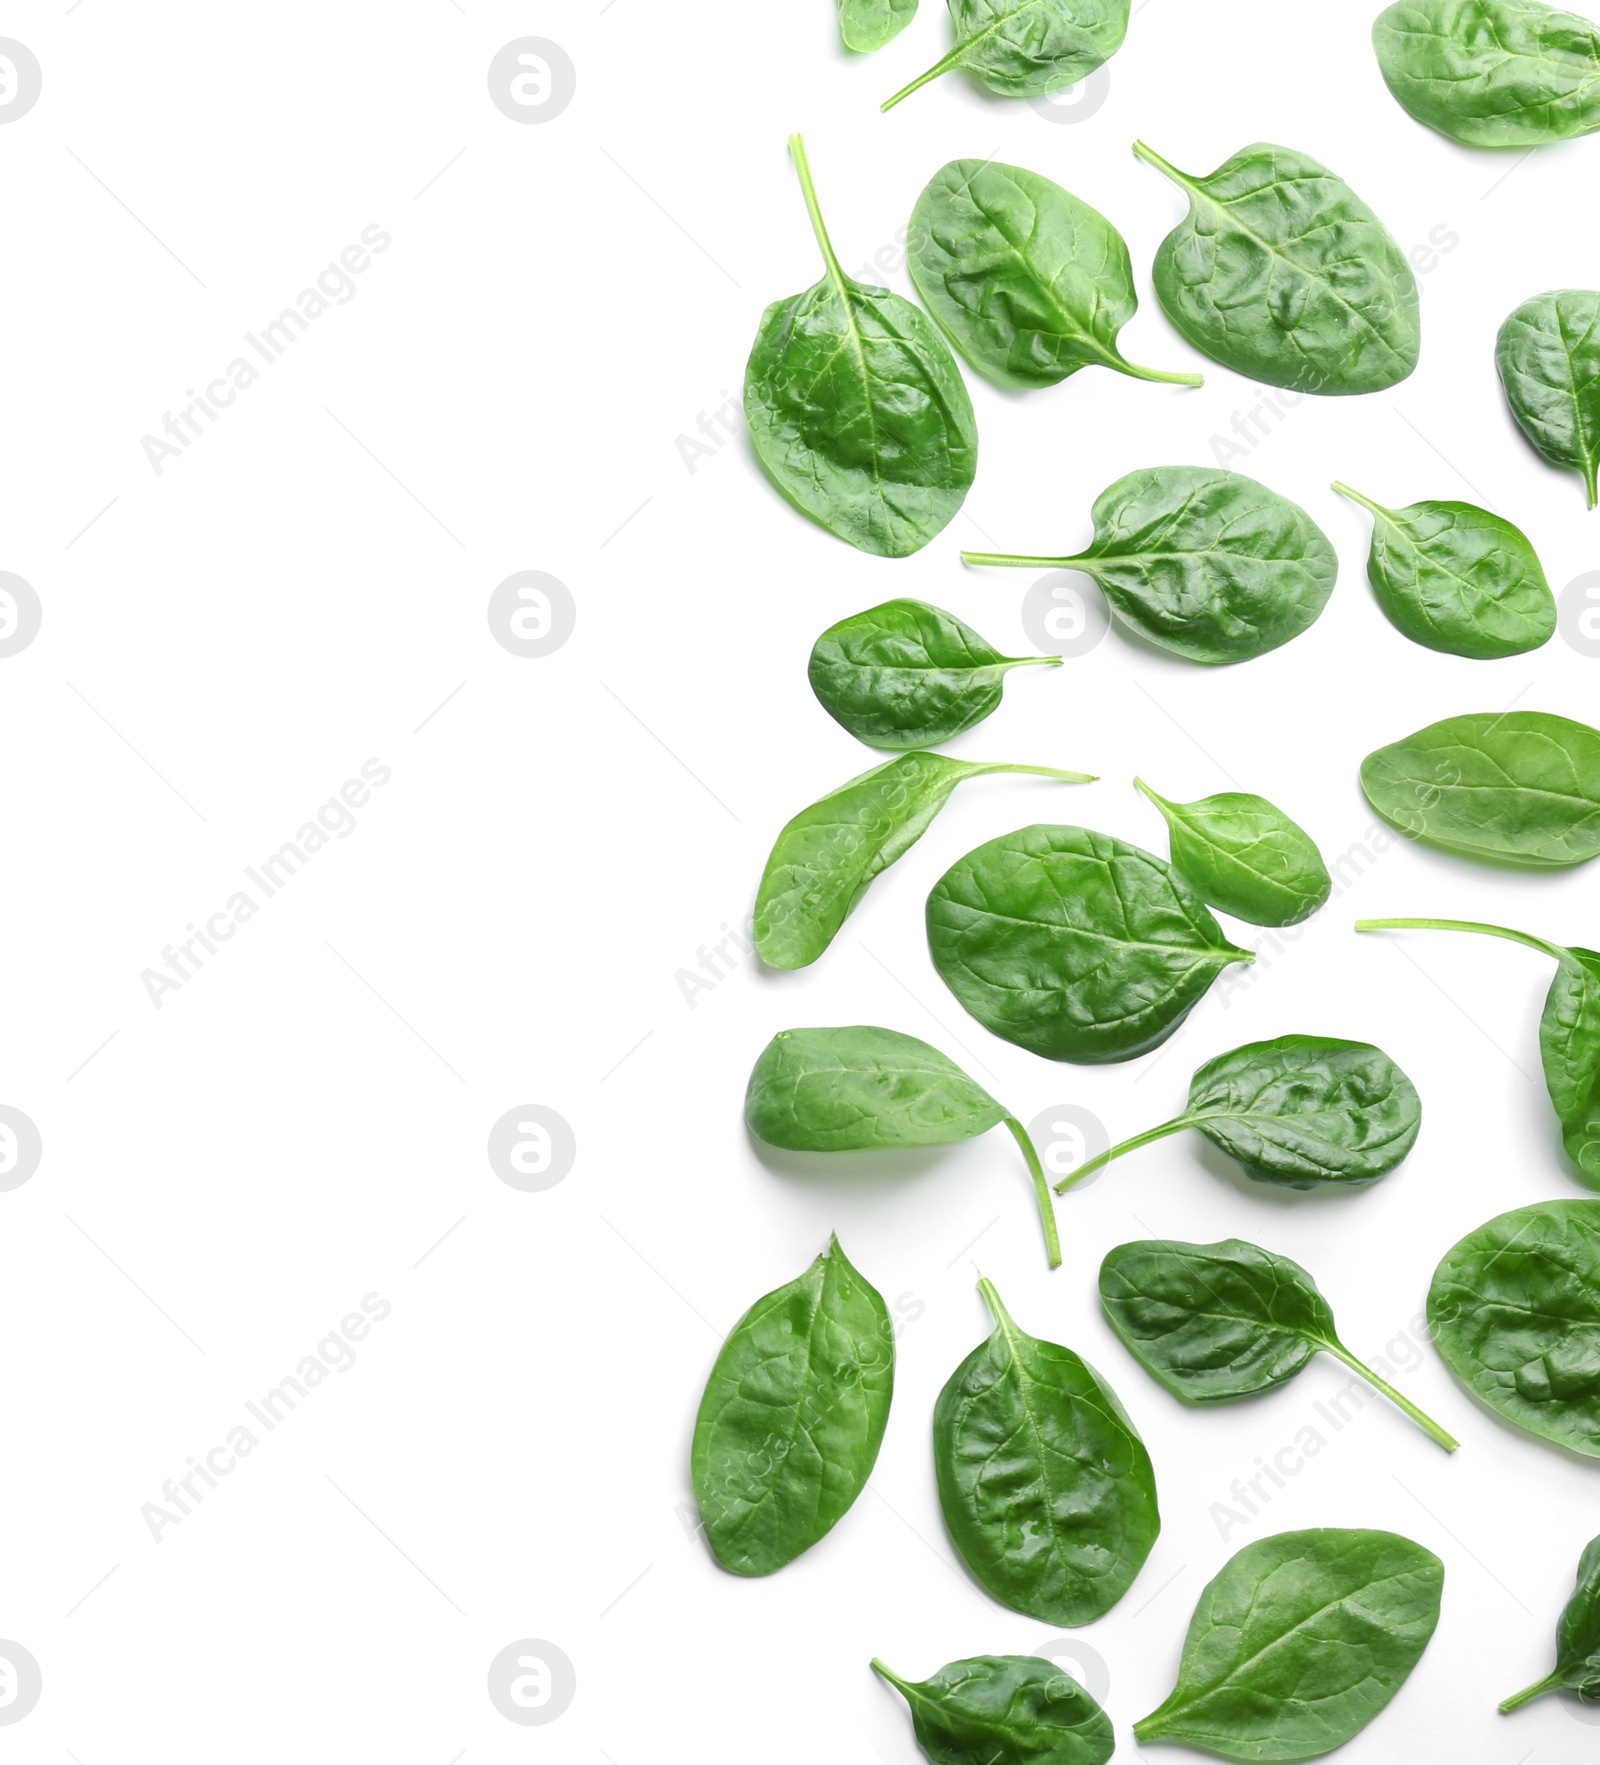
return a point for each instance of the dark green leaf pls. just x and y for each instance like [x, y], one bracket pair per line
[792, 1416]
[1577, 1666]
[1548, 354]
[1045, 1485]
[869, 24]
[1005, 1710]
[1299, 1642]
[1281, 272]
[1025, 48]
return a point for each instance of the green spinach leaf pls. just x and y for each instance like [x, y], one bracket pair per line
[824, 859]
[1519, 787]
[1045, 1485]
[862, 1088]
[907, 675]
[1299, 1642]
[1029, 283]
[792, 1416]
[1026, 48]
[1548, 354]
[1004, 1710]
[1492, 73]
[1246, 856]
[1206, 563]
[1074, 945]
[1212, 1322]
[1281, 272]
[1453, 577]
[869, 24]
[1577, 1666]
[856, 408]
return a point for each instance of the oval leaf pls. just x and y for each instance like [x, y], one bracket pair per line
[1005, 1710]
[1246, 856]
[1026, 48]
[1577, 1666]
[1548, 354]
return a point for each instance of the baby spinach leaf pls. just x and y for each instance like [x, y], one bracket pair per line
[1577, 1666]
[856, 408]
[792, 1416]
[1520, 787]
[859, 1089]
[1548, 354]
[907, 675]
[823, 860]
[1246, 856]
[1207, 563]
[1453, 577]
[1492, 73]
[1212, 1322]
[869, 24]
[1073, 944]
[1029, 283]
[1299, 1642]
[1515, 1311]
[1045, 1485]
[1299, 1111]
[1026, 48]
[1281, 272]
[1004, 1710]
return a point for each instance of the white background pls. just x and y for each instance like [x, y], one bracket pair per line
[306, 1119]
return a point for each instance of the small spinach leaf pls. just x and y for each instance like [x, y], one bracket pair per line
[1281, 272]
[862, 1088]
[1548, 354]
[1029, 283]
[1246, 856]
[1212, 1322]
[824, 859]
[1026, 48]
[1045, 1485]
[1299, 1642]
[1004, 1710]
[792, 1416]
[1577, 1666]
[1206, 563]
[856, 408]
[869, 24]
[1073, 944]
[907, 675]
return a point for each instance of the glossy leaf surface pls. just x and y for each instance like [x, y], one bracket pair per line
[1004, 1710]
[1577, 1667]
[1548, 354]
[865, 25]
[1026, 48]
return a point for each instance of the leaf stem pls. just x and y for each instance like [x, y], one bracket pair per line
[1158, 374]
[1041, 1190]
[1550, 1682]
[1355, 496]
[1460, 925]
[884, 1673]
[1151, 157]
[942, 66]
[1031, 661]
[1022, 562]
[1425, 1423]
[802, 166]
[1050, 772]
[1090, 1166]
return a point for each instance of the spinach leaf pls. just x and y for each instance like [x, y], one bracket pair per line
[1577, 1666]
[1026, 48]
[1492, 73]
[1004, 1710]
[1045, 1485]
[862, 1088]
[1074, 945]
[1281, 272]
[1453, 577]
[1207, 563]
[1515, 1311]
[1520, 787]
[1569, 1032]
[1548, 354]
[1246, 856]
[1030, 283]
[869, 24]
[824, 859]
[907, 675]
[1299, 1111]
[1299, 1642]
[1213, 1322]
[856, 408]
[792, 1416]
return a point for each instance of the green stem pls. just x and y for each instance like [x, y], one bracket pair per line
[1459, 925]
[1166, 379]
[1031, 661]
[1589, 470]
[1041, 1190]
[1550, 1682]
[1021, 562]
[941, 66]
[997, 1310]
[884, 1673]
[1151, 157]
[1356, 497]
[802, 166]
[1090, 1166]
[1425, 1423]
[1043, 772]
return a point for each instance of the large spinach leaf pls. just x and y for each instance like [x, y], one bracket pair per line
[792, 1416]
[1207, 563]
[1299, 1642]
[1548, 354]
[1492, 73]
[857, 409]
[1073, 944]
[1577, 1667]
[1520, 787]
[1045, 1485]
[1213, 1322]
[907, 675]
[1026, 48]
[1453, 577]
[1515, 1311]
[869, 24]
[824, 859]
[1030, 283]
[1281, 272]
[862, 1088]
[1004, 1710]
